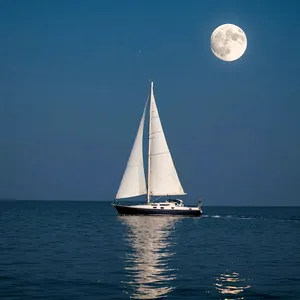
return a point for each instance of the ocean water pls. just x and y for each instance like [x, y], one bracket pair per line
[85, 250]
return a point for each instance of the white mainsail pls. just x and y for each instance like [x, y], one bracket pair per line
[163, 179]
[133, 182]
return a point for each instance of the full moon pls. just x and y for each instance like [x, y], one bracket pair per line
[228, 42]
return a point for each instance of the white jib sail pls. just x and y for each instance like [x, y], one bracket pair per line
[133, 182]
[163, 176]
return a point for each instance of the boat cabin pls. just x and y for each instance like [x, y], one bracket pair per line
[170, 203]
[177, 202]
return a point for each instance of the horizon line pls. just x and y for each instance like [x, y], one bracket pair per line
[109, 201]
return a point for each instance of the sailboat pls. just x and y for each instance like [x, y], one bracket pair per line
[162, 175]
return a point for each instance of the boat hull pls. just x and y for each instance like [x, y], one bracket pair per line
[129, 210]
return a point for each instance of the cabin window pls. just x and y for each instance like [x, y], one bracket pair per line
[155, 207]
[162, 208]
[172, 207]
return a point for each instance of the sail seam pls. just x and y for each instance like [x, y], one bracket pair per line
[159, 131]
[160, 153]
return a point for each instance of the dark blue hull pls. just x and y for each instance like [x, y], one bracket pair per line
[128, 210]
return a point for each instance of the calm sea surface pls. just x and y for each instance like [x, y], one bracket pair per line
[84, 250]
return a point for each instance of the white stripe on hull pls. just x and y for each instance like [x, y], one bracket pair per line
[145, 206]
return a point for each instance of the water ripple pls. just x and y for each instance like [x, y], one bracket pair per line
[84, 250]
[148, 263]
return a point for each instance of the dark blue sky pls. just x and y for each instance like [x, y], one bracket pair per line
[73, 86]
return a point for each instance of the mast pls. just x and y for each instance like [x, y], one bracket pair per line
[149, 144]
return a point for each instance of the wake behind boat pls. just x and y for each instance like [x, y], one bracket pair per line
[162, 175]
